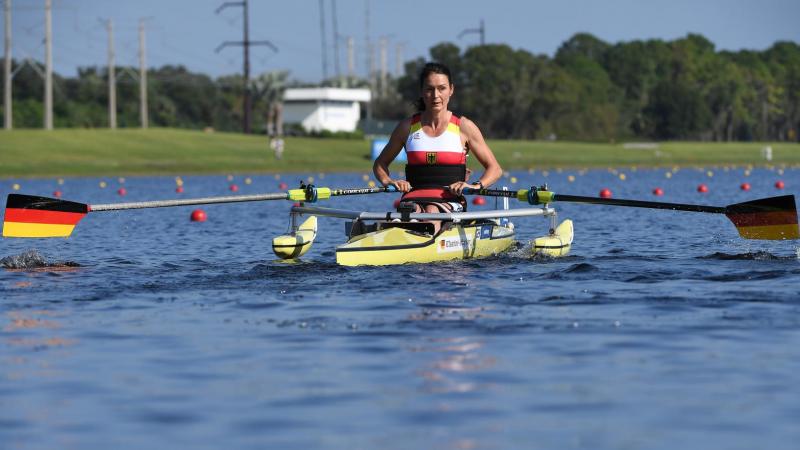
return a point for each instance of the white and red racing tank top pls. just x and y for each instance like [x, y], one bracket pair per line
[434, 161]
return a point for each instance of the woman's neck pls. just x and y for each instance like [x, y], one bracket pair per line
[435, 118]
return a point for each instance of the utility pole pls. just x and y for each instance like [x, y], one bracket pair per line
[143, 119]
[324, 42]
[481, 30]
[398, 60]
[48, 56]
[335, 39]
[112, 79]
[384, 78]
[246, 43]
[351, 57]
[7, 111]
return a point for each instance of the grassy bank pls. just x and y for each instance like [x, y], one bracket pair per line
[78, 152]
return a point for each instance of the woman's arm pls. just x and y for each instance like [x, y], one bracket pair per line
[381, 166]
[484, 155]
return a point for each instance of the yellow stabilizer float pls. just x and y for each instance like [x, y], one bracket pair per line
[557, 243]
[297, 243]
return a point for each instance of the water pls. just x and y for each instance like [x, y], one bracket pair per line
[662, 330]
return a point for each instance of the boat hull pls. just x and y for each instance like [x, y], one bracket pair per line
[400, 246]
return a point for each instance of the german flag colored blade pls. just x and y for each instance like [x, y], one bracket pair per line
[772, 218]
[32, 217]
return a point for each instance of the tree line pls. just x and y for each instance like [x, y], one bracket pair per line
[589, 90]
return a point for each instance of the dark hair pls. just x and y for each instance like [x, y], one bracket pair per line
[431, 67]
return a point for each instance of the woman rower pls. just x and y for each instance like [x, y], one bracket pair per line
[436, 142]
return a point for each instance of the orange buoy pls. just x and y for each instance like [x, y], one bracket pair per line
[702, 188]
[122, 191]
[779, 184]
[745, 186]
[198, 215]
[478, 200]
[57, 194]
[234, 188]
[179, 189]
[658, 192]
[605, 193]
[283, 185]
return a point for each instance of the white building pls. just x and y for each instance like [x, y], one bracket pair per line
[317, 109]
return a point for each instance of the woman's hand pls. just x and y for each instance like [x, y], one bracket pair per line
[400, 185]
[459, 186]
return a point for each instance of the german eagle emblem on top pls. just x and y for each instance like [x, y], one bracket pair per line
[430, 157]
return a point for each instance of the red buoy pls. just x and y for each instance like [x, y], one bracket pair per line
[179, 189]
[283, 185]
[57, 194]
[658, 192]
[745, 186]
[478, 200]
[121, 191]
[605, 193]
[297, 204]
[234, 188]
[702, 188]
[779, 184]
[198, 215]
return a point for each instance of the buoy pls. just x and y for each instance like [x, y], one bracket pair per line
[371, 184]
[702, 188]
[658, 192]
[478, 200]
[622, 177]
[779, 184]
[230, 177]
[61, 181]
[668, 174]
[745, 186]
[121, 180]
[571, 178]
[282, 185]
[234, 188]
[179, 189]
[198, 215]
[16, 186]
[513, 180]
[605, 193]
[57, 194]
[103, 185]
[396, 203]
[248, 180]
[122, 191]
[297, 204]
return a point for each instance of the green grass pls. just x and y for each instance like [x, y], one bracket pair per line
[81, 152]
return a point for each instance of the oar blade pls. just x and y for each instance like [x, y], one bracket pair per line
[773, 218]
[29, 216]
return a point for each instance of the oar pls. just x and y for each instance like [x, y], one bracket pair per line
[773, 218]
[33, 216]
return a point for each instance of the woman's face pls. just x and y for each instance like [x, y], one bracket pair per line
[436, 92]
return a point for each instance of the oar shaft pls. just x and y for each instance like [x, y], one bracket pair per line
[189, 201]
[639, 204]
[293, 194]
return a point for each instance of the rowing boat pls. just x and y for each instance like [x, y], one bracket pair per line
[384, 238]
[380, 239]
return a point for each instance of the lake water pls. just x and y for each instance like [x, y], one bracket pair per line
[661, 330]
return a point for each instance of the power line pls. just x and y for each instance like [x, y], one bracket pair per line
[245, 43]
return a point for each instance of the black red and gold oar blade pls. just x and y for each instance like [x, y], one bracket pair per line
[30, 216]
[773, 218]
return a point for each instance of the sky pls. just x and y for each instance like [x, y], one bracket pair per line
[187, 32]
